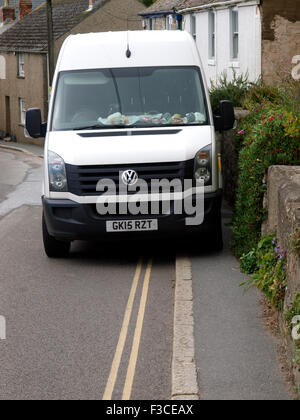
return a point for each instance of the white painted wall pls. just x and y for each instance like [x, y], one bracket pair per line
[2, 68]
[249, 42]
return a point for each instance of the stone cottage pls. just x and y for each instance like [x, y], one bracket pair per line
[23, 52]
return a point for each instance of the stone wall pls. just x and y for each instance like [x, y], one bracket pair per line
[283, 205]
[280, 38]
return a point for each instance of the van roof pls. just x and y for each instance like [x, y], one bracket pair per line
[108, 50]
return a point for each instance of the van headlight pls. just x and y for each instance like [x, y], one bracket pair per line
[57, 173]
[202, 166]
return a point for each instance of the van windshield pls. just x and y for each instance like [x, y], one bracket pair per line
[129, 97]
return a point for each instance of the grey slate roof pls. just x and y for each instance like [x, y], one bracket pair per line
[30, 33]
[163, 5]
[195, 3]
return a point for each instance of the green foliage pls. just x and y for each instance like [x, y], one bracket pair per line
[295, 241]
[259, 95]
[270, 276]
[270, 135]
[148, 2]
[233, 90]
[296, 359]
[249, 262]
[292, 310]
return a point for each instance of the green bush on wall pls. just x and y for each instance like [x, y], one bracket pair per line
[270, 135]
[267, 264]
[233, 90]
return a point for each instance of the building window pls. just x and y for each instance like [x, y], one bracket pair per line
[212, 35]
[2, 67]
[21, 71]
[234, 33]
[193, 27]
[22, 111]
[169, 22]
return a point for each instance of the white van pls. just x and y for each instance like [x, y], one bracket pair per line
[128, 107]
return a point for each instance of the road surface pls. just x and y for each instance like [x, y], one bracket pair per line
[100, 324]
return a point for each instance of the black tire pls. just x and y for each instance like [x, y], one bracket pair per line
[53, 247]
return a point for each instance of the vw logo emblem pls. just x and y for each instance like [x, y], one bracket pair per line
[130, 177]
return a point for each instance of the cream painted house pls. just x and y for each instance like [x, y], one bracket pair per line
[228, 36]
[254, 37]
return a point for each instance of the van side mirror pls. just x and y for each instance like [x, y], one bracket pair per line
[34, 125]
[225, 121]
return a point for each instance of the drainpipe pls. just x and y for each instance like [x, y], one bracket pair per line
[179, 21]
[50, 42]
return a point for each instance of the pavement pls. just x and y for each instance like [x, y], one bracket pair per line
[22, 147]
[64, 320]
[236, 356]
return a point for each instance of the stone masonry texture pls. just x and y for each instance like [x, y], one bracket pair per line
[283, 205]
[280, 38]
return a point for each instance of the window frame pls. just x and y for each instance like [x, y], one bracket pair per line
[21, 65]
[22, 111]
[169, 22]
[234, 34]
[194, 26]
[212, 35]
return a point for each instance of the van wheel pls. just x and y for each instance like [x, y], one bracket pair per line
[53, 247]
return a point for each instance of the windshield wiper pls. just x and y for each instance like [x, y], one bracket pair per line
[88, 127]
[97, 126]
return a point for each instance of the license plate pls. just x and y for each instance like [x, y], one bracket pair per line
[131, 225]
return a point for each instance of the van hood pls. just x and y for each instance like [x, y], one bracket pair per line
[123, 146]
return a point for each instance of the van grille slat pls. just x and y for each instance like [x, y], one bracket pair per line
[82, 180]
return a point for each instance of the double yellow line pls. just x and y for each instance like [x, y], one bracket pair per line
[123, 335]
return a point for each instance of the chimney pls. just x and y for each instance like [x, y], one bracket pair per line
[91, 4]
[25, 7]
[7, 12]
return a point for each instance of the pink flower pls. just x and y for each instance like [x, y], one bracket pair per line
[241, 132]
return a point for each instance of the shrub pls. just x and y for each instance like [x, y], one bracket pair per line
[234, 90]
[270, 276]
[292, 310]
[270, 137]
[295, 241]
[148, 2]
[260, 94]
[249, 262]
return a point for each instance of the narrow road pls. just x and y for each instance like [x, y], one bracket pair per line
[100, 324]
[65, 318]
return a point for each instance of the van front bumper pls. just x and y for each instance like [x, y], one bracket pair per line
[68, 220]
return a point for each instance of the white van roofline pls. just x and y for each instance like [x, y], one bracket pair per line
[108, 50]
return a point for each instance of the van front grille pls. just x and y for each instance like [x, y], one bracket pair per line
[83, 180]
